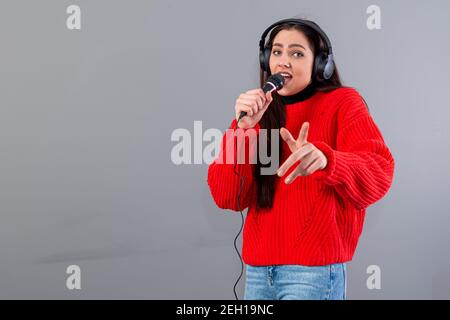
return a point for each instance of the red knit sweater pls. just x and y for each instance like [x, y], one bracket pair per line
[317, 219]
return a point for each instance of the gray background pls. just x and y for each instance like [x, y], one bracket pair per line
[85, 126]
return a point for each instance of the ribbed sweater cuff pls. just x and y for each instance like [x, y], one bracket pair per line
[328, 174]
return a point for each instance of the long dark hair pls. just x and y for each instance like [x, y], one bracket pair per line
[275, 115]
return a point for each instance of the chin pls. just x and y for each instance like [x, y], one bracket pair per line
[285, 92]
[288, 91]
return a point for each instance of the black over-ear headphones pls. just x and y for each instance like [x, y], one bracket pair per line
[323, 62]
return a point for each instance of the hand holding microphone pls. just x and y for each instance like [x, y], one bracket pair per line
[251, 105]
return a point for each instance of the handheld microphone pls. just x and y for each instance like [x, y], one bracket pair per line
[275, 82]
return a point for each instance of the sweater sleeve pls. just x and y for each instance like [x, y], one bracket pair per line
[361, 169]
[237, 152]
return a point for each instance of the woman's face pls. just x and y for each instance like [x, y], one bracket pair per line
[291, 54]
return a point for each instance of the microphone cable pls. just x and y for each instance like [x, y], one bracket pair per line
[240, 230]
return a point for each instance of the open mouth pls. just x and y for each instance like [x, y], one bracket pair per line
[287, 76]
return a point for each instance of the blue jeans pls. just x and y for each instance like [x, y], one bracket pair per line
[296, 282]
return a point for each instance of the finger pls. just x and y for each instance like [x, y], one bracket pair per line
[245, 108]
[261, 102]
[248, 103]
[244, 123]
[287, 136]
[294, 174]
[250, 99]
[251, 102]
[266, 105]
[290, 161]
[293, 158]
[256, 91]
[308, 159]
[261, 98]
[269, 97]
[316, 165]
[303, 135]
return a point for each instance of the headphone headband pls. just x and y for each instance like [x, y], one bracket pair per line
[306, 23]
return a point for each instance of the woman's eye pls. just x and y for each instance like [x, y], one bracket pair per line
[295, 54]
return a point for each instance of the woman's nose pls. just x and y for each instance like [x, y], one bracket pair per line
[286, 64]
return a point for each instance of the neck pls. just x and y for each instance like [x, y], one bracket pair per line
[300, 96]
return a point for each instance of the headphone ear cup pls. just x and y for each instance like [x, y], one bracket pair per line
[264, 57]
[261, 59]
[319, 66]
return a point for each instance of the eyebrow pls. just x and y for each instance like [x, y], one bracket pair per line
[289, 46]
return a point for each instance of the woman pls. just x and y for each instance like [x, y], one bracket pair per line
[304, 222]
